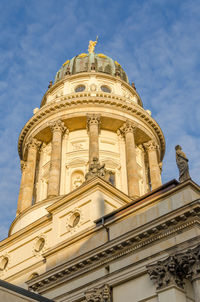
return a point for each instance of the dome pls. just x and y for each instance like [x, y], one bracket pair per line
[86, 62]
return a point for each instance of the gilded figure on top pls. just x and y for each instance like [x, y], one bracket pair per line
[92, 45]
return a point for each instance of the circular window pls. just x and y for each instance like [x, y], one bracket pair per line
[80, 88]
[3, 263]
[39, 244]
[105, 89]
[74, 220]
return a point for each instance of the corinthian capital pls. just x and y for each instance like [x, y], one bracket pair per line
[23, 165]
[151, 145]
[193, 259]
[127, 127]
[93, 119]
[102, 294]
[166, 273]
[33, 143]
[58, 126]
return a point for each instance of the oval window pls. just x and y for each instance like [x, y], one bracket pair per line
[74, 220]
[80, 88]
[105, 89]
[39, 244]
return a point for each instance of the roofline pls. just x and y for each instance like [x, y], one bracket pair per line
[23, 292]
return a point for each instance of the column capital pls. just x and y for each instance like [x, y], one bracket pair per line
[33, 143]
[192, 257]
[128, 127]
[151, 145]
[93, 119]
[23, 165]
[166, 273]
[102, 294]
[57, 126]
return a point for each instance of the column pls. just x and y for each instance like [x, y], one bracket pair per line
[122, 153]
[168, 277]
[155, 176]
[29, 175]
[93, 126]
[57, 129]
[196, 288]
[128, 129]
[63, 187]
[192, 259]
[21, 190]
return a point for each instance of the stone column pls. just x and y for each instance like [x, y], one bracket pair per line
[57, 129]
[192, 259]
[128, 129]
[21, 190]
[155, 176]
[196, 288]
[28, 176]
[168, 277]
[93, 126]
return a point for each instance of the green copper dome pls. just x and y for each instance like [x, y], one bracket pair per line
[86, 62]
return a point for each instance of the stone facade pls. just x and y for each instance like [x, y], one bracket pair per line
[94, 222]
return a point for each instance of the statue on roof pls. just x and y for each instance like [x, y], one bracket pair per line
[182, 163]
[92, 45]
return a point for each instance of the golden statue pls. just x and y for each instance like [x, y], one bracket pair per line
[92, 45]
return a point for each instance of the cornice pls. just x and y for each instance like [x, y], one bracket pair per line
[123, 245]
[85, 98]
[69, 78]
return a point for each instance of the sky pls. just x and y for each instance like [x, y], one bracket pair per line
[157, 42]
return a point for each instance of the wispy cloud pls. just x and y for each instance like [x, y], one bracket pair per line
[157, 43]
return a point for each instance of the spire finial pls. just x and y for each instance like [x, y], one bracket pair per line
[92, 45]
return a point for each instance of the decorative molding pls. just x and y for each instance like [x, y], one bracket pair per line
[74, 100]
[115, 250]
[102, 294]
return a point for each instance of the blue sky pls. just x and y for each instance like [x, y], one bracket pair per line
[157, 42]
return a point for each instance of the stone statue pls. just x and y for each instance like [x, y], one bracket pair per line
[97, 169]
[182, 163]
[92, 45]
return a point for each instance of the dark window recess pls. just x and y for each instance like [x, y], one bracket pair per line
[106, 89]
[80, 88]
